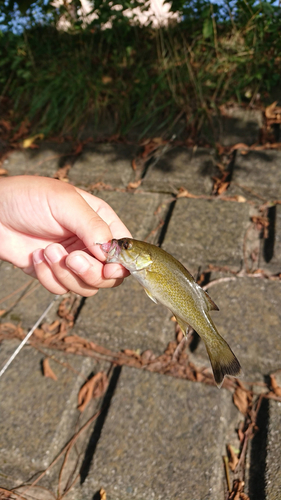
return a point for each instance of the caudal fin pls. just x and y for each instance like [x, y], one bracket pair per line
[223, 360]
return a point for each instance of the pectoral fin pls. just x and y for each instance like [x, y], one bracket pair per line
[150, 296]
[183, 325]
[211, 304]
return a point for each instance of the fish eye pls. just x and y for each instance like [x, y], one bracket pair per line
[126, 245]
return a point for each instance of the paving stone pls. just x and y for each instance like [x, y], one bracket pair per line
[182, 167]
[203, 232]
[142, 213]
[44, 161]
[108, 163]
[240, 125]
[257, 172]
[27, 305]
[125, 318]
[273, 453]
[163, 438]
[250, 321]
[37, 414]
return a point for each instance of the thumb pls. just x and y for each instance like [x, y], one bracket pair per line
[77, 216]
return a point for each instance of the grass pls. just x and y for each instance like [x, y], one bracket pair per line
[141, 76]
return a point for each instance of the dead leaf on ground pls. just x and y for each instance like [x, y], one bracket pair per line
[241, 398]
[79, 148]
[6, 125]
[61, 173]
[273, 113]
[47, 370]
[232, 457]
[274, 386]
[134, 185]
[102, 494]
[27, 143]
[93, 388]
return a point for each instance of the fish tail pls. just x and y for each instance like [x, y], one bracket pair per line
[223, 360]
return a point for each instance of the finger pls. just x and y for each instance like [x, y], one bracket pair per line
[91, 271]
[45, 275]
[86, 280]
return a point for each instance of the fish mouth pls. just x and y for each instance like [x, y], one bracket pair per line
[111, 248]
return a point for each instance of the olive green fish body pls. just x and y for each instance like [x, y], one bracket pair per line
[168, 282]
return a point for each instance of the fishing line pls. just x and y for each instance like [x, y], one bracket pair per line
[28, 335]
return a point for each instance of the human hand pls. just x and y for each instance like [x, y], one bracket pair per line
[49, 229]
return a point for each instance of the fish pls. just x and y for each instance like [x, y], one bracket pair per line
[166, 281]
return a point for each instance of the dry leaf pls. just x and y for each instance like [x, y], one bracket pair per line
[274, 386]
[7, 125]
[47, 370]
[24, 127]
[93, 388]
[272, 111]
[134, 185]
[27, 143]
[102, 494]
[241, 400]
[3, 171]
[79, 148]
[232, 457]
[61, 173]
[106, 79]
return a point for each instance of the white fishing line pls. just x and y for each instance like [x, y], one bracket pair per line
[28, 335]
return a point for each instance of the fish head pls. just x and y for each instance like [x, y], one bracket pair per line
[132, 254]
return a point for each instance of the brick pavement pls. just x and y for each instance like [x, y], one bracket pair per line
[157, 437]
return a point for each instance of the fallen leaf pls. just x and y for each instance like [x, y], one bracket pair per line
[274, 386]
[6, 124]
[134, 185]
[24, 127]
[241, 400]
[47, 370]
[232, 458]
[3, 171]
[61, 173]
[102, 494]
[79, 148]
[27, 143]
[106, 79]
[93, 388]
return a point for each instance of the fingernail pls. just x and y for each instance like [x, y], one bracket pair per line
[38, 256]
[53, 254]
[77, 264]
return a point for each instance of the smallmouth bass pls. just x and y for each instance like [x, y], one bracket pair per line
[167, 281]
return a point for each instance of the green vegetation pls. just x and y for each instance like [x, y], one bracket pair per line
[139, 75]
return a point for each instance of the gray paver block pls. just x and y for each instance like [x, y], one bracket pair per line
[259, 172]
[273, 453]
[163, 438]
[108, 163]
[203, 232]
[44, 161]
[125, 318]
[180, 167]
[22, 308]
[250, 320]
[241, 125]
[140, 212]
[37, 414]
